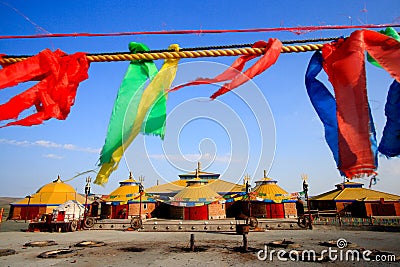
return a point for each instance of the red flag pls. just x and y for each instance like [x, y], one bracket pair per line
[53, 95]
[234, 72]
[272, 51]
[344, 62]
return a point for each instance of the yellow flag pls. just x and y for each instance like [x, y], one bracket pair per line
[161, 82]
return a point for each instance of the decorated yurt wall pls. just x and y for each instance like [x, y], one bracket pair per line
[147, 209]
[216, 211]
[290, 209]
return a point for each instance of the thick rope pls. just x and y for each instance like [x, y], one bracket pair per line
[180, 54]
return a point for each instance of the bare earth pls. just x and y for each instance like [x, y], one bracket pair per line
[172, 249]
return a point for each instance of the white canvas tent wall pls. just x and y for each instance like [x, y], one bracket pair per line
[72, 210]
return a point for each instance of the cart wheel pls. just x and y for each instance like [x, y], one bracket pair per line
[89, 222]
[73, 226]
[252, 222]
[303, 221]
[136, 223]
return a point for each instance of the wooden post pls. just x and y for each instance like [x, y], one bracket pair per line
[191, 242]
[245, 242]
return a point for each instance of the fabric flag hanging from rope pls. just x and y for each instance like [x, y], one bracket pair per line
[323, 102]
[125, 107]
[390, 142]
[345, 65]
[137, 115]
[155, 120]
[234, 72]
[388, 32]
[53, 95]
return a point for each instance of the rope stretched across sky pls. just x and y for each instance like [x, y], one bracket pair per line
[104, 57]
[297, 30]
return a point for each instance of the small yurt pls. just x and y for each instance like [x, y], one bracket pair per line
[124, 202]
[44, 201]
[266, 200]
[69, 211]
[351, 199]
[197, 201]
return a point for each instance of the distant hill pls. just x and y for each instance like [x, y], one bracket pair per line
[5, 203]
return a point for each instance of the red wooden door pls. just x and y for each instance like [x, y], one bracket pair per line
[268, 210]
[120, 211]
[198, 213]
[277, 210]
[29, 212]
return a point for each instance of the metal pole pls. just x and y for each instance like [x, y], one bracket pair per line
[309, 213]
[140, 206]
[141, 190]
[27, 209]
[87, 192]
[248, 189]
[305, 189]
[84, 213]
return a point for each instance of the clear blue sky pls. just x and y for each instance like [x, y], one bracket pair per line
[267, 124]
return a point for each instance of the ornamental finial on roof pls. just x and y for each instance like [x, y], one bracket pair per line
[246, 179]
[198, 166]
[58, 179]
[265, 173]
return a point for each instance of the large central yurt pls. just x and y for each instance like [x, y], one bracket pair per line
[197, 201]
[126, 201]
[44, 201]
[213, 181]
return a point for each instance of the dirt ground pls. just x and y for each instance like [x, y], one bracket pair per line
[172, 249]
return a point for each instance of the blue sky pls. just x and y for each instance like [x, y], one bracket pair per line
[268, 123]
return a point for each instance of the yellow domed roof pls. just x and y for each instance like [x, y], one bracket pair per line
[127, 191]
[267, 189]
[56, 186]
[54, 193]
[123, 193]
[196, 193]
